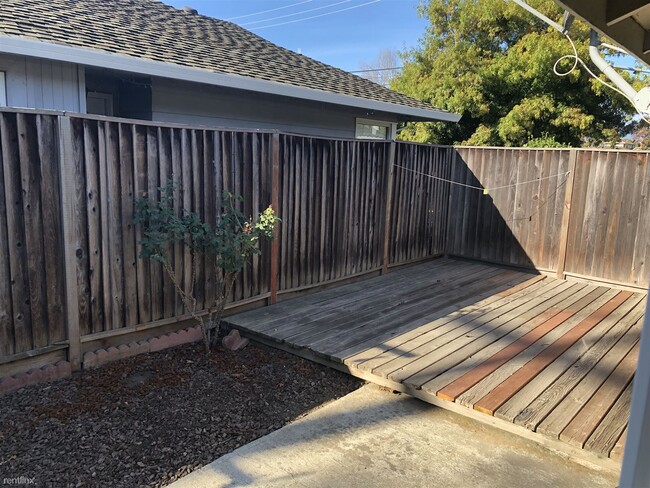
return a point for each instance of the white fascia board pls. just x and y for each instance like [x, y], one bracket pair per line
[89, 57]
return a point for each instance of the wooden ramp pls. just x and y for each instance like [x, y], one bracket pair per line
[550, 359]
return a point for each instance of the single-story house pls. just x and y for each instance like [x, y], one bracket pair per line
[143, 59]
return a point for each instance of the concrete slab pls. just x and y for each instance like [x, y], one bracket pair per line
[375, 438]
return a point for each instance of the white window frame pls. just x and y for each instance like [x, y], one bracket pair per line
[390, 129]
[3, 89]
[107, 97]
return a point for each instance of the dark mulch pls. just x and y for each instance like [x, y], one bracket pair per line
[151, 419]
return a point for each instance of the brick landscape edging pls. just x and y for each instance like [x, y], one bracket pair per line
[94, 359]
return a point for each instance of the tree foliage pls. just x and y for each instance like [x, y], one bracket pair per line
[231, 243]
[492, 62]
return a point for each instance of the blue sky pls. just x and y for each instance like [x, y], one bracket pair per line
[345, 39]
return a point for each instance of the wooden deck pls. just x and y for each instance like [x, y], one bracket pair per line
[550, 359]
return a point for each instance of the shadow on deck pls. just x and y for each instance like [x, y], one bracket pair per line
[548, 359]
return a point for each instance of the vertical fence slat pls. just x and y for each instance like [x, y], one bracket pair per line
[105, 232]
[129, 258]
[566, 215]
[113, 171]
[68, 216]
[31, 198]
[22, 323]
[141, 189]
[275, 203]
[94, 216]
[52, 236]
[7, 345]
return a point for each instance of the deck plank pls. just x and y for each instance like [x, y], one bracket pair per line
[585, 422]
[360, 330]
[560, 314]
[289, 308]
[554, 389]
[467, 329]
[395, 336]
[416, 300]
[586, 350]
[556, 408]
[466, 359]
[617, 451]
[424, 369]
[485, 386]
[604, 438]
[405, 343]
[499, 395]
[313, 316]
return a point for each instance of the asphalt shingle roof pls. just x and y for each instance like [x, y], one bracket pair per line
[151, 30]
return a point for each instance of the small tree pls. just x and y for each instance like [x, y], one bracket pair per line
[232, 242]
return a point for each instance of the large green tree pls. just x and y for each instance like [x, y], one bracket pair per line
[492, 62]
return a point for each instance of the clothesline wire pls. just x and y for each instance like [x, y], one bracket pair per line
[481, 188]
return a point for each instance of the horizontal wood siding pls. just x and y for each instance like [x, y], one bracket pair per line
[31, 266]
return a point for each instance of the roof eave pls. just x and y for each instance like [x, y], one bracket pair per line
[89, 57]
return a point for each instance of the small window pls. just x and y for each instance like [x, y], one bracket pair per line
[99, 103]
[3, 89]
[373, 129]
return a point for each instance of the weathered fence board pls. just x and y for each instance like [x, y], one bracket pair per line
[330, 202]
[521, 220]
[31, 267]
[608, 231]
[117, 162]
[517, 219]
[419, 203]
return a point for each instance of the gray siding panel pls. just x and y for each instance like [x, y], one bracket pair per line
[197, 104]
[42, 84]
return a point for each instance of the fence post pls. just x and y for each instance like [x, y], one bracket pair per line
[389, 204]
[452, 171]
[275, 203]
[68, 194]
[566, 216]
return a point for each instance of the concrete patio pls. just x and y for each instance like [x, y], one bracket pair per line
[374, 437]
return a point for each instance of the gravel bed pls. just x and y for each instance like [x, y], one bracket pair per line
[153, 418]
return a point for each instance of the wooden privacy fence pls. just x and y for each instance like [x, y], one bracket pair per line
[71, 280]
[70, 276]
[576, 212]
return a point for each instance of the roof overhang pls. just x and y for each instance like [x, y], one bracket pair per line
[626, 22]
[88, 57]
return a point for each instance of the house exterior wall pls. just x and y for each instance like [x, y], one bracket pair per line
[196, 104]
[43, 84]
